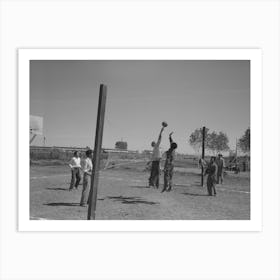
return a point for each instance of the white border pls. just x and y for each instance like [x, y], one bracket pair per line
[254, 55]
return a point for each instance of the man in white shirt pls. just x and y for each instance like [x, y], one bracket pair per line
[75, 165]
[156, 156]
[87, 168]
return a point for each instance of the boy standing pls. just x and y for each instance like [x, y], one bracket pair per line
[212, 176]
[75, 165]
[221, 165]
[87, 168]
[169, 165]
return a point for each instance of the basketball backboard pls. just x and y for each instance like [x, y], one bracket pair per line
[36, 125]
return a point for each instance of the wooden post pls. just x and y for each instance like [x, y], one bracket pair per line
[203, 154]
[97, 150]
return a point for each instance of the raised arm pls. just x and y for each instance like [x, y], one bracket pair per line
[159, 137]
[170, 138]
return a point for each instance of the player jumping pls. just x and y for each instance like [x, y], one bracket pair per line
[169, 165]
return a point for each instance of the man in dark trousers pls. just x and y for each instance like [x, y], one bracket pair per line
[212, 176]
[75, 165]
[221, 165]
[87, 169]
[155, 169]
[169, 165]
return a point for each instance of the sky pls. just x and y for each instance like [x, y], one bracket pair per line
[187, 94]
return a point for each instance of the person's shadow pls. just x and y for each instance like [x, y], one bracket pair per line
[62, 204]
[58, 189]
[131, 200]
[194, 194]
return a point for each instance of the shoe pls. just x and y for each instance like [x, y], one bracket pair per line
[83, 205]
[163, 190]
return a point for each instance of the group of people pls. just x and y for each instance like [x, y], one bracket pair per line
[214, 169]
[168, 166]
[77, 167]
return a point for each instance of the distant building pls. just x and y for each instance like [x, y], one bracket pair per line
[121, 145]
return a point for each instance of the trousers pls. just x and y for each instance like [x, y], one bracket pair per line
[211, 181]
[168, 175]
[75, 178]
[154, 177]
[86, 189]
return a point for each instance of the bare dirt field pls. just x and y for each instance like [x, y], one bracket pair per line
[123, 195]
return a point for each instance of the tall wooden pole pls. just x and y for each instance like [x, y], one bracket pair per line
[97, 150]
[203, 154]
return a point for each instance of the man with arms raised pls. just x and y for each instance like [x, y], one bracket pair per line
[156, 156]
[169, 165]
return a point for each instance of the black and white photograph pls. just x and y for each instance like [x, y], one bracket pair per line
[139, 139]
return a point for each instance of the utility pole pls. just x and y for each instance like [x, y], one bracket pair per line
[97, 151]
[203, 154]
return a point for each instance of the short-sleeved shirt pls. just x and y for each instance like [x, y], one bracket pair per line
[87, 165]
[156, 154]
[75, 162]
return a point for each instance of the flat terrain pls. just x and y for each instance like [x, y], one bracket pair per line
[123, 194]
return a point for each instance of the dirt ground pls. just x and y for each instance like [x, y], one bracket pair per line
[123, 195]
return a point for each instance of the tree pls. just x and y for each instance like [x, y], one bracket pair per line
[244, 142]
[195, 139]
[217, 142]
[121, 145]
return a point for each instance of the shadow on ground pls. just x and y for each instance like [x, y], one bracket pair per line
[194, 194]
[131, 200]
[62, 204]
[143, 187]
[58, 189]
